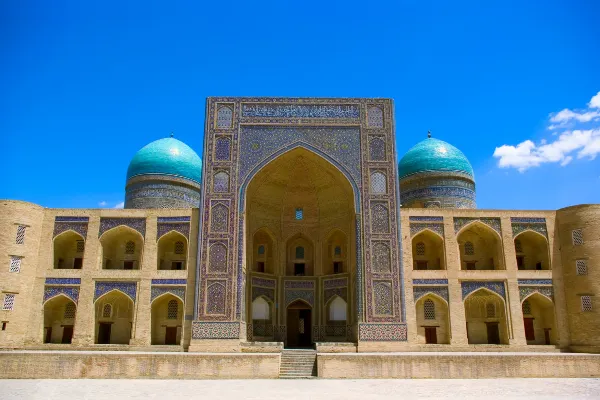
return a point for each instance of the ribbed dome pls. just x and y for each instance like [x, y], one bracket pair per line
[166, 157]
[433, 155]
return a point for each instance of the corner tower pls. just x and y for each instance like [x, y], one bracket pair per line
[435, 174]
[164, 174]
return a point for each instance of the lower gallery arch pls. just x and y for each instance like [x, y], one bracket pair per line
[335, 318]
[167, 320]
[433, 320]
[262, 319]
[59, 320]
[486, 318]
[539, 320]
[299, 324]
[114, 318]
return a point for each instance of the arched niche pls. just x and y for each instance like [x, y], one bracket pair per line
[263, 252]
[335, 253]
[531, 250]
[480, 248]
[113, 318]
[262, 319]
[433, 320]
[167, 320]
[172, 251]
[300, 256]
[68, 250]
[486, 318]
[59, 320]
[428, 251]
[122, 248]
[539, 320]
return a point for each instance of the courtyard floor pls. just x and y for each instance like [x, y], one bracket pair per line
[457, 389]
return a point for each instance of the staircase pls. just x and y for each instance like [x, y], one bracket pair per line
[298, 364]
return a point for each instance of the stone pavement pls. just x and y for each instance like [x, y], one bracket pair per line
[300, 389]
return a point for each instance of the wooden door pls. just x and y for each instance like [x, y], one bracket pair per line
[104, 333]
[171, 335]
[67, 334]
[431, 335]
[529, 332]
[493, 333]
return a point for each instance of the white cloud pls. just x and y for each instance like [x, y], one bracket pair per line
[120, 205]
[581, 139]
[102, 203]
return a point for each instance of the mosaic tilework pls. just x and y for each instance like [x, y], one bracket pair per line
[525, 291]
[72, 292]
[299, 284]
[535, 281]
[222, 149]
[219, 218]
[468, 287]
[164, 228]
[377, 149]
[373, 332]
[221, 182]
[435, 192]
[177, 291]
[258, 291]
[519, 227]
[359, 269]
[460, 222]
[380, 218]
[418, 227]
[69, 218]
[300, 111]
[416, 218]
[382, 295]
[268, 283]
[173, 219]
[339, 291]
[216, 297]
[527, 220]
[76, 224]
[63, 281]
[138, 224]
[128, 288]
[381, 257]
[215, 330]
[335, 283]
[169, 281]
[292, 295]
[217, 257]
[420, 291]
[224, 117]
[175, 193]
[430, 281]
[374, 117]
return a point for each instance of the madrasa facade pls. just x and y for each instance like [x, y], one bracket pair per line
[300, 229]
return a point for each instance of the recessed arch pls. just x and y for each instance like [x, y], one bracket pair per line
[428, 251]
[114, 252]
[68, 250]
[486, 317]
[59, 314]
[166, 320]
[484, 289]
[168, 255]
[162, 295]
[486, 244]
[59, 295]
[533, 252]
[334, 252]
[115, 328]
[433, 328]
[539, 319]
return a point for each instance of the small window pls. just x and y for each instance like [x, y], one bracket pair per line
[538, 266]
[299, 252]
[4, 324]
[69, 311]
[15, 264]
[469, 249]
[581, 266]
[299, 269]
[172, 309]
[378, 183]
[107, 265]
[470, 266]
[420, 249]
[177, 265]
[577, 236]
[127, 264]
[9, 302]
[261, 250]
[337, 251]
[80, 246]
[429, 309]
[299, 214]
[521, 262]
[107, 311]
[518, 246]
[421, 265]
[179, 247]
[586, 303]
[490, 310]
[77, 263]
[260, 266]
[20, 234]
[130, 247]
[526, 308]
[337, 267]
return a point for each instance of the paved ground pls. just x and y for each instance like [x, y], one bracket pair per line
[300, 389]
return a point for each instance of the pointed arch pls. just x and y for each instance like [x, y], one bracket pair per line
[167, 293]
[125, 227]
[119, 291]
[424, 296]
[542, 295]
[56, 296]
[488, 253]
[167, 256]
[298, 300]
[479, 223]
[485, 290]
[68, 231]
[528, 230]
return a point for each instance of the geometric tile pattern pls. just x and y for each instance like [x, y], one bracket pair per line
[182, 282]
[535, 282]
[339, 291]
[72, 292]
[215, 330]
[416, 228]
[80, 227]
[546, 291]
[156, 291]
[469, 287]
[493, 223]
[297, 294]
[520, 225]
[63, 281]
[164, 228]
[128, 288]
[138, 224]
[430, 281]
[300, 111]
[258, 291]
[420, 291]
[375, 332]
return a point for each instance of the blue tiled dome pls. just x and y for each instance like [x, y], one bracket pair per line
[166, 157]
[433, 155]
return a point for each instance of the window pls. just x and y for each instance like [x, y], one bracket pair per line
[518, 246]
[526, 308]
[471, 265]
[521, 262]
[581, 267]
[337, 267]
[337, 251]
[179, 247]
[130, 247]
[538, 266]
[4, 323]
[429, 309]
[107, 311]
[299, 269]
[69, 311]
[260, 266]
[490, 310]
[420, 249]
[127, 264]
[577, 236]
[586, 303]
[9, 302]
[261, 250]
[79, 246]
[77, 263]
[177, 265]
[20, 234]
[299, 214]
[172, 309]
[299, 252]
[422, 265]
[378, 183]
[469, 249]
[15, 264]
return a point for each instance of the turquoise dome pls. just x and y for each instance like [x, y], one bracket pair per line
[166, 157]
[433, 155]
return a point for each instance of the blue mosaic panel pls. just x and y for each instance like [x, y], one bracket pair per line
[437, 191]
[71, 219]
[337, 291]
[335, 283]
[377, 149]
[535, 281]
[469, 287]
[383, 295]
[525, 291]
[215, 330]
[300, 111]
[430, 281]
[80, 227]
[269, 283]
[527, 220]
[269, 293]
[128, 288]
[417, 218]
[374, 117]
[216, 294]
[164, 228]
[169, 281]
[292, 295]
[460, 222]
[173, 219]
[138, 224]
[373, 332]
[222, 149]
[420, 291]
[299, 284]
[63, 281]
[72, 292]
[416, 228]
[177, 291]
[520, 227]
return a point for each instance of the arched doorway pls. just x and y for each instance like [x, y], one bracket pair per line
[299, 316]
[114, 318]
[172, 251]
[538, 319]
[480, 248]
[432, 320]
[486, 318]
[428, 251]
[122, 248]
[59, 320]
[531, 249]
[68, 250]
[167, 320]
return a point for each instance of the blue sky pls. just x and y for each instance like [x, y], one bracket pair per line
[83, 86]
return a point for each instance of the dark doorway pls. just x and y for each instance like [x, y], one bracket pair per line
[431, 335]
[299, 325]
[67, 334]
[547, 335]
[299, 269]
[493, 333]
[171, 335]
[529, 332]
[48, 337]
[104, 333]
